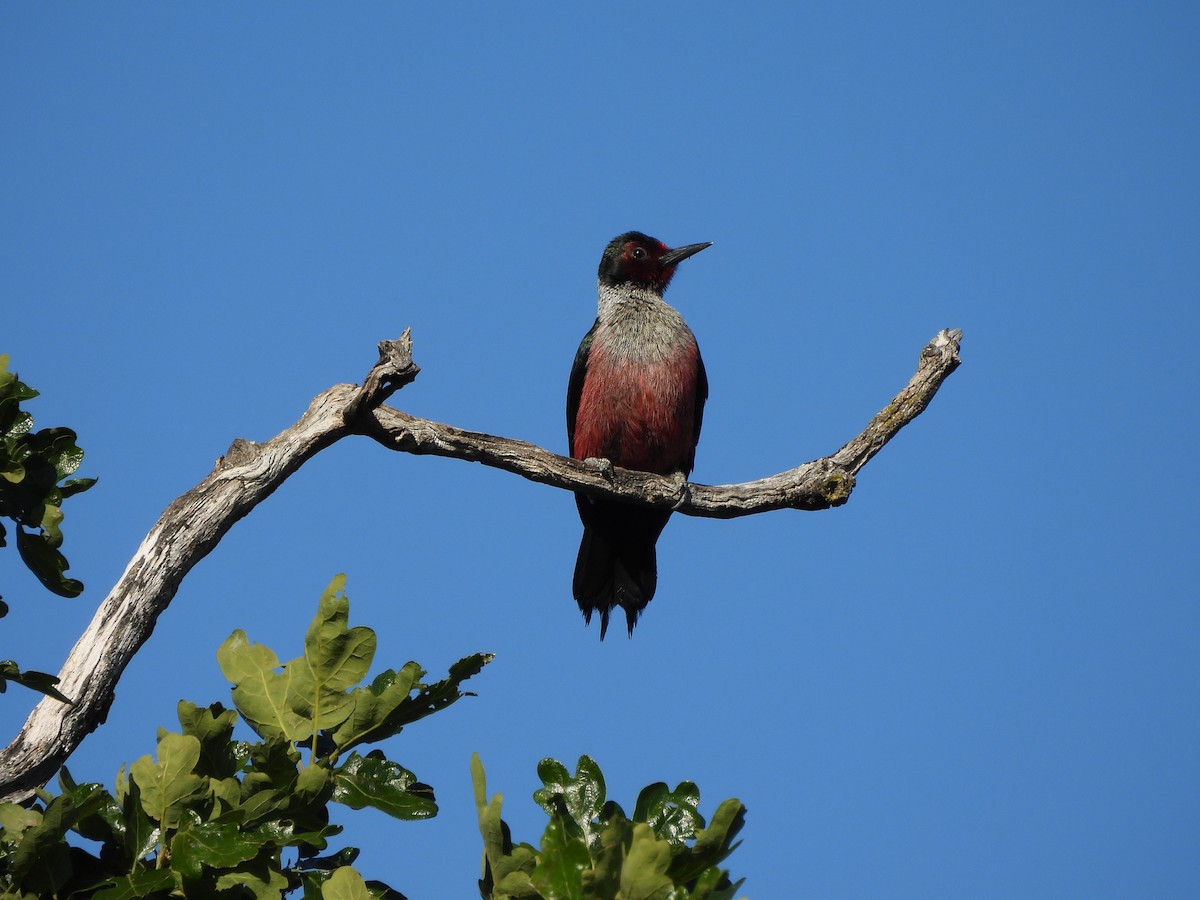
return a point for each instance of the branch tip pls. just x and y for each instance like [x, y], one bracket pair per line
[946, 343]
[394, 370]
[396, 356]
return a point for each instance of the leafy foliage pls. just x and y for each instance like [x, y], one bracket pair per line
[210, 816]
[38, 681]
[34, 470]
[592, 851]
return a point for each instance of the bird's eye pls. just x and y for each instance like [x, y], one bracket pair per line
[639, 253]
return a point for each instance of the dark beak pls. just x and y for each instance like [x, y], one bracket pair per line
[681, 253]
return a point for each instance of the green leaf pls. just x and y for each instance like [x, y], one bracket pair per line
[310, 694]
[261, 694]
[15, 422]
[673, 815]
[644, 874]
[42, 861]
[273, 763]
[73, 486]
[57, 446]
[603, 880]
[718, 837]
[226, 794]
[374, 706]
[50, 524]
[375, 781]
[270, 781]
[289, 803]
[335, 659]
[264, 881]
[137, 884]
[264, 805]
[314, 881]
[141, 834]
[714, 884]
[516, 885]
[380, 711]
[213, 845]
[212, 726]
[37, 681]
[11, 470]
[12, 393]
[314, 784]
[286, 833]
[99, 816]
[506, 867]
[345, 884]
[713, 844]
[563, 859]
[435, 697]
[14, 820]
[344, 857]
[18, 423]
[582, 796]
[381, 891]
[40, 555]
[338, 655]
[167, 785]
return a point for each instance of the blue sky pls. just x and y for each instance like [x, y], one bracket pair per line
[979, 678]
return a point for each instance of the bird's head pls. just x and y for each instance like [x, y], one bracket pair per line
[636, 258]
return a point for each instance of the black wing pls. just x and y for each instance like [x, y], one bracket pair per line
[701, 396]
[575, 384]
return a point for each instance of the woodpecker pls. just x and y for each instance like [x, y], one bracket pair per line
[636, 398]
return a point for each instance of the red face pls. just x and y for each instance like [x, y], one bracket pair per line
[639, 262]
[637, 258]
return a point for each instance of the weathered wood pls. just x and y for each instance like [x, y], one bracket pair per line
[814, 485]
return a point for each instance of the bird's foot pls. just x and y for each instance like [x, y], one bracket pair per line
[679, 487]
[603, 466]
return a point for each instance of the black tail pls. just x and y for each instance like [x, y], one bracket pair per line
[617, 564]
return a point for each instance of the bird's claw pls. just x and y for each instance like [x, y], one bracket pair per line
[679, 487]
[603, 466]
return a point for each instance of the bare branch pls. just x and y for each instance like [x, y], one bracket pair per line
[248, 473]
[815, 485]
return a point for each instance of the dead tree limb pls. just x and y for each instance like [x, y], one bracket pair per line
[248, 473]
[814, 485]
